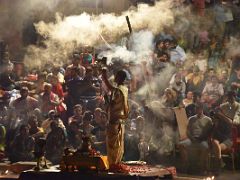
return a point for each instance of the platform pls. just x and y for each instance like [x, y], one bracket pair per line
[134, 172]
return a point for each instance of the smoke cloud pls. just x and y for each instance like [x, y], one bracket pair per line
[67, 33]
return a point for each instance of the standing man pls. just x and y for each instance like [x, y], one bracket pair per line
[117, 114]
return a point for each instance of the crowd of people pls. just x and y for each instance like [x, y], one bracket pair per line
[63, 104]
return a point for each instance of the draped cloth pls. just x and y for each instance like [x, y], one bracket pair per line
[115, 143]
[118, 112]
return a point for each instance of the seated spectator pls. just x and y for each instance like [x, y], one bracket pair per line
[74, 135]
[198, 132]
[177, 54]
[189, 99]
[159, 48]
[222, 133]
[24, 104]
[99, 132]
[223, 78]
[86, 126]
[194, 80]
[234, 79]
[52, 116]
[179, 86]
[75, 64]
[6, 80]
[55, 143]
[34, 130]
[191, 108]
[134, 141]
[86, 58]
[169, 98]
[97, 116]
[48, 100]
[23, 146]
[39, 85]
[214, 90]
[77, 114]
[201, 62]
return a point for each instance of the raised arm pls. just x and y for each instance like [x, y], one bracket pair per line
[105, 79]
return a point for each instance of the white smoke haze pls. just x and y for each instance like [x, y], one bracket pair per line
[233, 47]
[140, 49]
[85, 29]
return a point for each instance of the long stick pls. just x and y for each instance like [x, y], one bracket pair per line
[129, 25]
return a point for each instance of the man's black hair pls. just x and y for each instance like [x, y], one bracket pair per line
[122, 75]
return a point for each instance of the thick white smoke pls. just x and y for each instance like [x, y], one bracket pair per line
[65, 33]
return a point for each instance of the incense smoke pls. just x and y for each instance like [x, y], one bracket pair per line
[66, 33]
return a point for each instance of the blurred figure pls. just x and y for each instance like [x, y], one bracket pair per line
[179, 86]
[24, 104]
[77, 114]
[74, 135]
[189, 99]
[75, 64]
[48, 100]
[55, 143]
[195, 80]
[34, 130]
[100, 133]
[52, 116]
[225, 117]
[214, 90]
[23, 146]
[86, 126]
[196, 146]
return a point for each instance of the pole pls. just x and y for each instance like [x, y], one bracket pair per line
[129, 25]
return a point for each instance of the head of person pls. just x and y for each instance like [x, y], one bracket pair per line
[24, 92]
[166, 43]
[89, 73]
[237, 70]
[196, 70]
[231, 96]
[87, 118]
[52, 79]
[120, 77]
[104, 118]
[160, 44]
[199, 109]
[139, 123]
[224, 73]
[51, 114]
[76, 59]
[169, 93]
[211, 72]
[42, 77]
[205, 97]
[24, 130]
[189, 95]
[196, 97]
[173, 43]
[33, 123]
[77, 110]
[47, 88]
[214, 80]
[97, 114]
[178, 78]
[164, 57]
